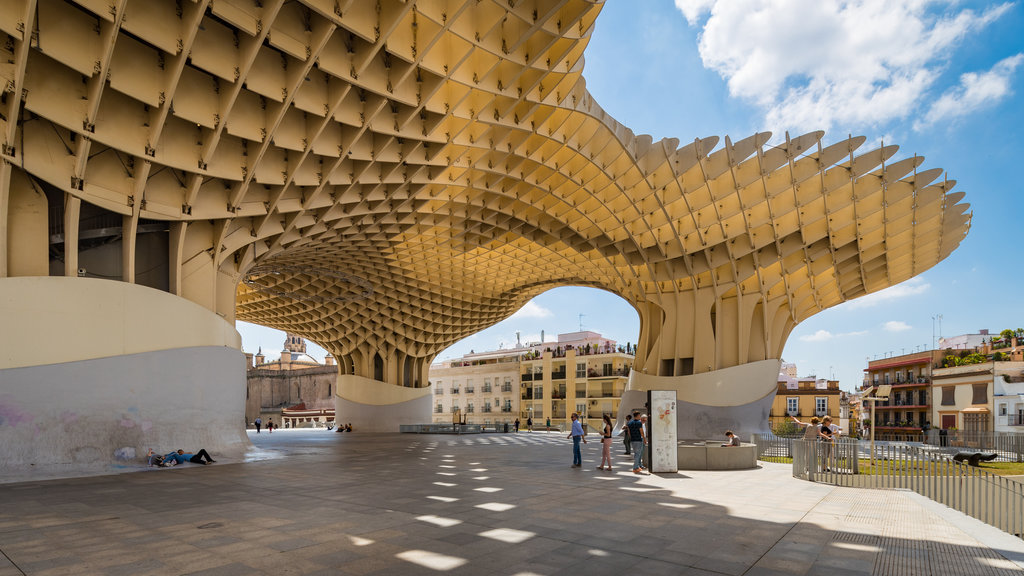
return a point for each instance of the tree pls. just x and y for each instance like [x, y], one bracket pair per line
[1006, 335]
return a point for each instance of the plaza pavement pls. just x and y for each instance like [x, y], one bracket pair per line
[501, 504]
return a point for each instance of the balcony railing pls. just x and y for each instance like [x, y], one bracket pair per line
[506, 387]
[558, 375]
[469, 390]
[1015, 419]
[526, 377]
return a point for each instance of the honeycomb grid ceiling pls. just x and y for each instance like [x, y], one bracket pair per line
[410, 172]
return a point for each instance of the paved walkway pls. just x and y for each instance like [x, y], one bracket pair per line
[476, 505]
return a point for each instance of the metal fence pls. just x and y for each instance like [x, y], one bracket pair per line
[992, 499]
[1009, 446]
[772, 446]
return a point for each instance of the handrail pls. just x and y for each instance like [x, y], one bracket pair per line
[930, 472]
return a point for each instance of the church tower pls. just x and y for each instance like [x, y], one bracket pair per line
[294, 344]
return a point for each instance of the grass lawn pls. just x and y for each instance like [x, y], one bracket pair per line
[888, 467]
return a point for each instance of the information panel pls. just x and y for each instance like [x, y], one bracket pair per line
[662, 430]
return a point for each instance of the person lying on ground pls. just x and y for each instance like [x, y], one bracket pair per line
[181, 456]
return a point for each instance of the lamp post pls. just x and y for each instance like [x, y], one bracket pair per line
[880, 393]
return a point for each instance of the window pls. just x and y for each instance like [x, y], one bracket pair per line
[469, 407]
[487, 384]
[980, 394]
[538, 392]
[469, 387]
[439, 409]
[792, 406]
[820, 406]
[1002, 409]
[948, 392]
[581, 369]
[507, 386]
[439, 390]
[455, 408]
[580, 408]
[487, 406]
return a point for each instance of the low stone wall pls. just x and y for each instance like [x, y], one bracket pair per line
[711, 455]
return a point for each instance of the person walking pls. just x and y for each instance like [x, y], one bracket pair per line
[270, 425]
[577, 434]
[638, 437]
[515, 426]
[625, 434]
[547, 426]
[606, 444]
[645, 458]
[258, 423]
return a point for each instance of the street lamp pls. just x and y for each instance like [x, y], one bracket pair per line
[880, 393]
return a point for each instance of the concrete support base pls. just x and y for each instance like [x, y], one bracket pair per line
[375, 406]
[93, 373]
[737, 398]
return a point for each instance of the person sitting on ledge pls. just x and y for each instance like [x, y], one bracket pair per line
[181, 456]
[731, 439]
[348, 427]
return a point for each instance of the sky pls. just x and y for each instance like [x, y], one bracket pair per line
[942, 79]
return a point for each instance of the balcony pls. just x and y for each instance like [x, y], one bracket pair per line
[1015, 419]
[469, 390]
[455, 390]
[506, 387]
[486, 388]
[558, 375]
[506, 408]
[526, 377]
[487, 409]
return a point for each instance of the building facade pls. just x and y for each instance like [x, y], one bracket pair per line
[908, 410]
[293, 378]
[478, 388]
[805, 398]
[581, 372]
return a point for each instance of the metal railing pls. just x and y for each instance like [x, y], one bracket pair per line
[1009, 446]
[987, 497]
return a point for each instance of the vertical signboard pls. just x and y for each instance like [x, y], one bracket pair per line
[662, 405]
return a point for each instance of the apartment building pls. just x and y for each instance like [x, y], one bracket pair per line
[805, 398]
[908, 410]
[582, 372]
[478, 388]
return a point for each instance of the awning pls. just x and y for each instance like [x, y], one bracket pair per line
[976, 409]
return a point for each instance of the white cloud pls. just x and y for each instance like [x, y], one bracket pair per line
[896, 326]
[825, 335]
[976, 90]
[694, 9]
[912, 287]
[810, 64]
[532, 310]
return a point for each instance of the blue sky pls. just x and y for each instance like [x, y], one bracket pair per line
[941, 78]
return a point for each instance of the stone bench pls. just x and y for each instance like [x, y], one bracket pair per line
[711, 455]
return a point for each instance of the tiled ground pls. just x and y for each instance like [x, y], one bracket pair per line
[484, 504]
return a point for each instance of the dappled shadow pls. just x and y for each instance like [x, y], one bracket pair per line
[495, 504]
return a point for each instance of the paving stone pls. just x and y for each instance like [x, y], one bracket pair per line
[327, 505]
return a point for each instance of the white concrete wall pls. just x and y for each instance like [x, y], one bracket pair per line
[93, 371]
[375, 406]
[737, 398]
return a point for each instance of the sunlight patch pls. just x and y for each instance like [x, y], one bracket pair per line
[508, 535]
[481, 478]
[431, 560]
[857, 547]
[496, 506]
[443, 498]
[439, 521]
[444, 484]
[356, 540]
[596, 552]
[675, 505]
[488, 489]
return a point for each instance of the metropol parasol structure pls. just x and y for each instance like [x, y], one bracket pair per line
[385, 178]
